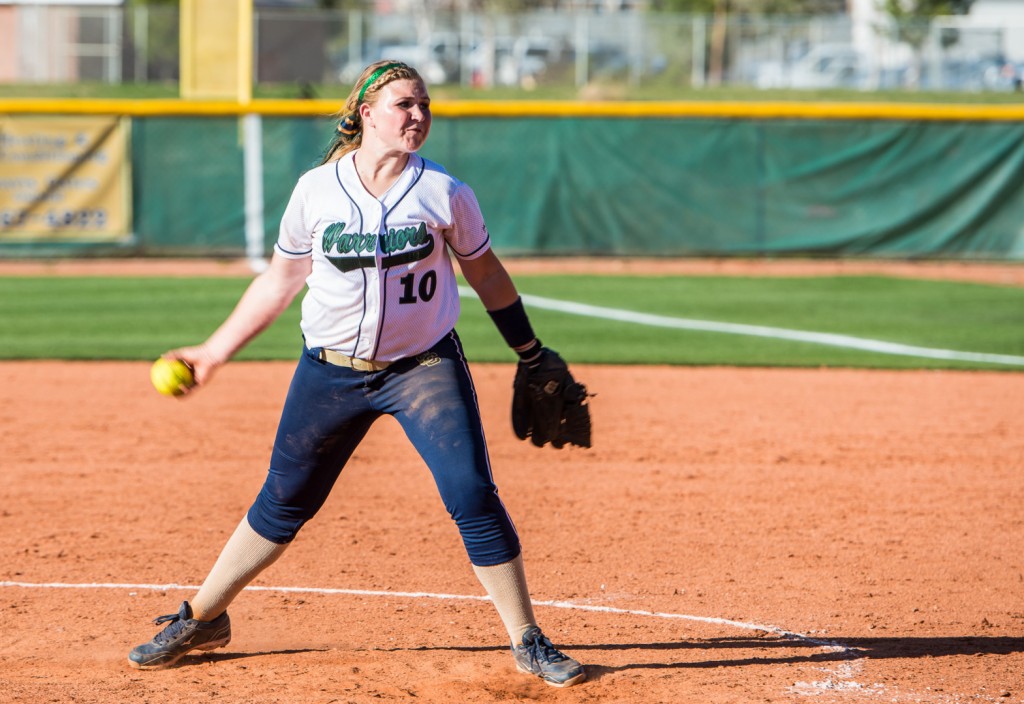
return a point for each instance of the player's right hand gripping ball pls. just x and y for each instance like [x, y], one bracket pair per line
[171, 377]
[548, 405]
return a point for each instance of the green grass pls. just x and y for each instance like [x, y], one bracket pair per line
[957, 316]
[653, 90]
[138, 318]
[124, 318]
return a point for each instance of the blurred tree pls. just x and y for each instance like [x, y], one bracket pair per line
[753, 7]
[912, 19]
[344, 4]
[157, 50]
[912, 23]
[722, 10]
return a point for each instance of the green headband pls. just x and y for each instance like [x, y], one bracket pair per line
[373, 77]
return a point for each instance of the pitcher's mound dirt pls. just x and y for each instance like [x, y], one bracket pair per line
[735, 535]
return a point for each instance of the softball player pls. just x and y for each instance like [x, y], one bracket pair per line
[368, 231]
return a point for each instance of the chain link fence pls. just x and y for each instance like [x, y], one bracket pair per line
[588, 54]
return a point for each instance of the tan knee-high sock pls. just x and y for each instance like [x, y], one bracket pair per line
[506, 585]
[246, 554]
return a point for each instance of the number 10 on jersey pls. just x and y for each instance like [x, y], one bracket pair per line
[425, 289]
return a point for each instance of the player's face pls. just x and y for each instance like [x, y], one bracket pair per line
[400, 117]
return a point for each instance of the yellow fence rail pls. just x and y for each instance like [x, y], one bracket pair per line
[549, 108]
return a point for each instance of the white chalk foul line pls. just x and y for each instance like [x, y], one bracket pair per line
[817, 338]
[741, 625]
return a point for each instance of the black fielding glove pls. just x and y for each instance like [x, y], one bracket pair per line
[548, 404]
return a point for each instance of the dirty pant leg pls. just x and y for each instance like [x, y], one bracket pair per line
[326, 415]
[437, 408]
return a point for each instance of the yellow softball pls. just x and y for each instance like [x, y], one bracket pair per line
[170, 375]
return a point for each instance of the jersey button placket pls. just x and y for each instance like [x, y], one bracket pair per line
[381, 276]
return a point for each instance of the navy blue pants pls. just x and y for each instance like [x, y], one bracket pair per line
[327, 413]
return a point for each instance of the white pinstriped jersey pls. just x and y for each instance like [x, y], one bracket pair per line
[382, 284]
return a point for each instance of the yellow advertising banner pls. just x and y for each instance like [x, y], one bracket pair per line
[64, 178]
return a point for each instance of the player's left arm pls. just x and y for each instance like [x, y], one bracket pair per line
[492, 283]
[548, 405]
[488, 277]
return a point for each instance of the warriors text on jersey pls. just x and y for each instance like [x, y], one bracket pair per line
[384, 283]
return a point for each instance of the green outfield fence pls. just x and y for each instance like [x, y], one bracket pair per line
[622, 179]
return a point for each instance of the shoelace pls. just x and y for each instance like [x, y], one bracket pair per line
[542, 650]
[172, 631]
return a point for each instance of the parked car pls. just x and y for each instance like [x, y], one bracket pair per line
[823, 66]
[512, 61]
[436, 59]
[972, 74]
[1001, 74]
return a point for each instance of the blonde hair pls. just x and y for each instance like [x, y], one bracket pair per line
[349, 131]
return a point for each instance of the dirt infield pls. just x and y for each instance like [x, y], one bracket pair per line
[735, 535]
[1008, 274]
[750, 536]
